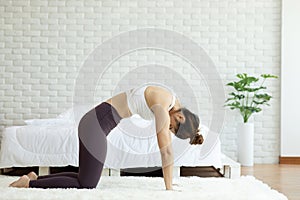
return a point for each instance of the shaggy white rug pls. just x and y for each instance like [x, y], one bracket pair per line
[246, 187]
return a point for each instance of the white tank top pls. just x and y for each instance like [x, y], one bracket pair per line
[137, 103]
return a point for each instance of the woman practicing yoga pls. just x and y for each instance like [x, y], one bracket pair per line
[150, 101]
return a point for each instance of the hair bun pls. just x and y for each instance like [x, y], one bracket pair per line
[198, 139]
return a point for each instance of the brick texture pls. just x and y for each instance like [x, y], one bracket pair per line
[43, 45]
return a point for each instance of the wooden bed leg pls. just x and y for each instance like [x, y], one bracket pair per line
[235, 171]
[44, 171]
[226, 171]
[105, 172]
[231, 168]
[231, 171]
[114, 172]
[176, 172]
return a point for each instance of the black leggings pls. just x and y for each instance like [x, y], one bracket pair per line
[93, 128]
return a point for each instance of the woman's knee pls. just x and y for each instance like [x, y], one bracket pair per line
[88, 184]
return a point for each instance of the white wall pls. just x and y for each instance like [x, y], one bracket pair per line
[290, 88]
[44, 43]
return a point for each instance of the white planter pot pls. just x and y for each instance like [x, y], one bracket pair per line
[245, 143]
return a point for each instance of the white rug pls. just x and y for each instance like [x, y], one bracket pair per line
[144, 188]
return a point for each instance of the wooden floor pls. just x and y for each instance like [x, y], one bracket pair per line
[283, 178]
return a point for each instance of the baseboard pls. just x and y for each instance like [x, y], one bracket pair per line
[289, 160]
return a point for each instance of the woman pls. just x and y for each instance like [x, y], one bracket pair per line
[155, 102]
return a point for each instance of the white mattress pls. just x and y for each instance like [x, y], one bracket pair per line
[132, 143]
[23, 146]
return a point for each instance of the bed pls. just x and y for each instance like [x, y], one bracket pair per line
[54, 142]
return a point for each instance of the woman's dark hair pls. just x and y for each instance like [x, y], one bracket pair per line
[189, 128]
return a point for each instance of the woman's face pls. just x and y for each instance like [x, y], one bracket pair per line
[174, 125]
[183, 127]
[176, 117]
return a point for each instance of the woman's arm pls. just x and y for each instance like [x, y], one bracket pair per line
[162, 121]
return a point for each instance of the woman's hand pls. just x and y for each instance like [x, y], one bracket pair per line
[169, 188]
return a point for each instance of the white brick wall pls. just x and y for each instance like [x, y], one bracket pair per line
[44, 43]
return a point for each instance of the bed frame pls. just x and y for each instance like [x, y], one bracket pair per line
[230, 169]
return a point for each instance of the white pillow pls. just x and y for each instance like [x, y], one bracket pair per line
[51, 121]
[68, 114]
[66, 117]
[75, 113]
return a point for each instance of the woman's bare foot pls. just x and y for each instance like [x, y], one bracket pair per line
[32, 176]
[22, 182]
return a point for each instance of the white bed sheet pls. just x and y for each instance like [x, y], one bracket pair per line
[131, 144]
[23, 146]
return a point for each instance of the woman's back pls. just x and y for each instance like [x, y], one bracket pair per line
[139, 100]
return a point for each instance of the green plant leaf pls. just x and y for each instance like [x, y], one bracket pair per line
[268, 76]
[260, 102]
[237, 96]
[257, 109]
[249, 89]
[230, 84]
[265, 96]
[234, 105]
[241, 76]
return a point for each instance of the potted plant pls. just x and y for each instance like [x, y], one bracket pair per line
[249, 97]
